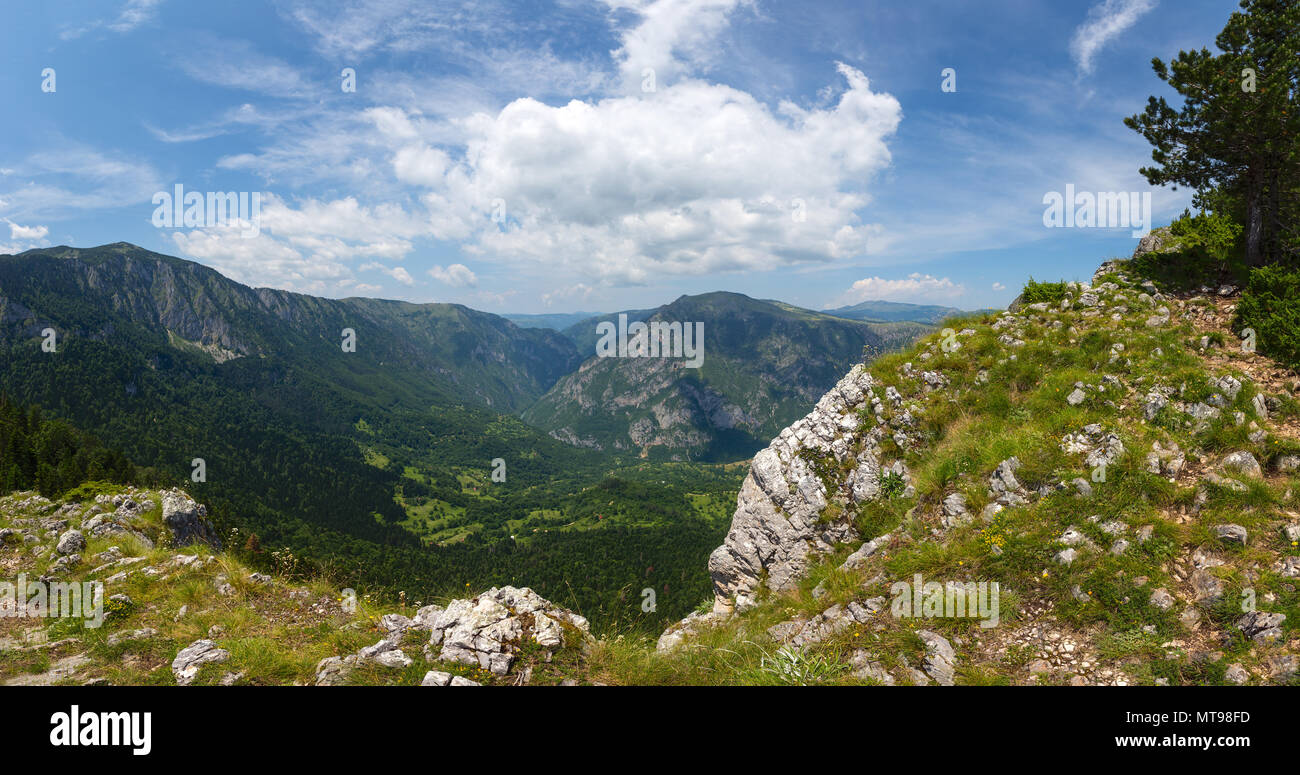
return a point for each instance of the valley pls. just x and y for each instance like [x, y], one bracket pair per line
[375, 462]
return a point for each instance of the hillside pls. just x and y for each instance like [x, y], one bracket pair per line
[431, 351]
[376, 462]
[1103, 454]
[764, 364]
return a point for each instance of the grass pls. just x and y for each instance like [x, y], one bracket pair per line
[1001, 402]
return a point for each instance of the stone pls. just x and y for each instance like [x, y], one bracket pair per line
[777, 525]
[1231, 534]
[939, 657]
[334, 671]
[486, 630]
[1262, 627]
[1154, 403]
[1161, 599]
[71, 542]
[126, 635]
[954, 509]
[186, 521]
[1208, 587]
[1236, 674]
[1282, 666]
[186, 665]
[1004, 477]
[1243, 463]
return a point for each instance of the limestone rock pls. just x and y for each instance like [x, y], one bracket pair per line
[187, 663]
[776, 524]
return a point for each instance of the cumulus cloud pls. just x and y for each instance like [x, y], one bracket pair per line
[693, 178]
[916, 287]
[697, 178]
[671, 37]
[1106, 22]
[307, 246]
[456, 275]
[398, 273]
[29, 233]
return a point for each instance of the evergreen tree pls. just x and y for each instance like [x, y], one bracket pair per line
[1235, 137]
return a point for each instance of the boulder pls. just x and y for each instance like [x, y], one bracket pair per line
[186, 521]
[71, 542]
[187, 663]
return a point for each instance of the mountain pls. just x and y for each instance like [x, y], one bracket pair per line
[433, 349]
[583, 333]
[378, 462]
[556, 322]
[1095, 488]
[764, 364]
[892, 312]
[1093, 503]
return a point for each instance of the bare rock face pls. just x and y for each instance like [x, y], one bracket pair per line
[776, 526]
[187, 520]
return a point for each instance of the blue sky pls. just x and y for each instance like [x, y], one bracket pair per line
[557, 155]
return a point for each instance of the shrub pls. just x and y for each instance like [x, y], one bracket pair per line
[1202, 249]
[1270, 306]
[1036, 292]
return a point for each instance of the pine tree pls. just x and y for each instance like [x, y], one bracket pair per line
[1236, 134]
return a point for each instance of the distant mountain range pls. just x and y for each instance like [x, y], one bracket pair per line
[376, 459]
[556, 322]
[764, 363]
[893, 311]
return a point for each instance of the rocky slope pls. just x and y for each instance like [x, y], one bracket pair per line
[178, 610]
[1112, 459]
[1102, 473]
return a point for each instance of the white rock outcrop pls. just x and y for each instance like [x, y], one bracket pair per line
[776, 525]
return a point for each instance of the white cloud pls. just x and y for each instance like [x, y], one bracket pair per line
[581, 291]
[235, 64]
[999, 287]
[672, 37]
[54, 184]
[915, 287]
[456, 275]
[133, 14]
[308, 245]
[27, 232]
[397, 273]
[694, 178]
[1106, 21]
[627, 187]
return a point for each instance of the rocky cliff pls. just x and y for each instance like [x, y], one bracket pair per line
[1104, 455]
